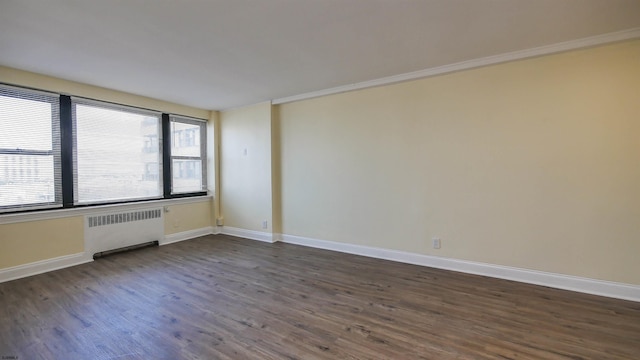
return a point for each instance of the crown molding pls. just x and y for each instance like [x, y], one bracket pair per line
[471, 64]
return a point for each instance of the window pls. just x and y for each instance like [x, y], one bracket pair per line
[188, 151]
[63, 151]
[30, 174]
[117, 156]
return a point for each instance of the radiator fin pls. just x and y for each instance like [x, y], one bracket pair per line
[103, 220]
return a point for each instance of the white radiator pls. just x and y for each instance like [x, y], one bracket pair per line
[110, 231]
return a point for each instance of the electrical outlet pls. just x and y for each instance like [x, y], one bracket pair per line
[436, 243]
[265, 224]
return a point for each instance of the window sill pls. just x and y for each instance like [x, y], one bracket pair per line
[81, 211]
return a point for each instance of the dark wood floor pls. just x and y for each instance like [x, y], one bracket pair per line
[219, 297]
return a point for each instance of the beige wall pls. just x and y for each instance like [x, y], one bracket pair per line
[532, 164]
[213, 162]
[276, 171]
[26, 242]
[245, 179]
[185, 217]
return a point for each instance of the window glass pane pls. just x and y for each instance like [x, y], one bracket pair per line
[29, 150]
[117, 154]
[185, 139]
[26, 179]
[187, 176]
[188, 149]
[25, 124]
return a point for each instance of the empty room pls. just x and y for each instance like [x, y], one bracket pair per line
[322, 179]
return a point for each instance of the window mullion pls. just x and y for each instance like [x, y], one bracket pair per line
[165, 146]
[203, 155]
[67, 142]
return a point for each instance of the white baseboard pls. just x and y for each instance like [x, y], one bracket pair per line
[39, 267]
[61, 262]
[189, 234]
[248, 234]
[559, 281]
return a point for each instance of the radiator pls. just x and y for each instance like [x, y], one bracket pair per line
[118, 230]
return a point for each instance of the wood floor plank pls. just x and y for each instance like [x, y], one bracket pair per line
[221, 297]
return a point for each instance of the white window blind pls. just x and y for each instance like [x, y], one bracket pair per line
[188, 153]
[30, 176]
[117, 153]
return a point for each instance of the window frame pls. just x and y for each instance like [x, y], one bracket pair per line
[121, 108]
[53, 99]
[65, 149]
[167, 142]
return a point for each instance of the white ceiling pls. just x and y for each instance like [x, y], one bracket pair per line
[221, 54]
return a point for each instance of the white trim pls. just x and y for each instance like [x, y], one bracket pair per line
[248, 234]
[559, 281]
[470, 64]
[61, 262]
[39, 267]
[186, 235]
[62, 213]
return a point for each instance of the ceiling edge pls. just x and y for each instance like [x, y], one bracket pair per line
[470, 64]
